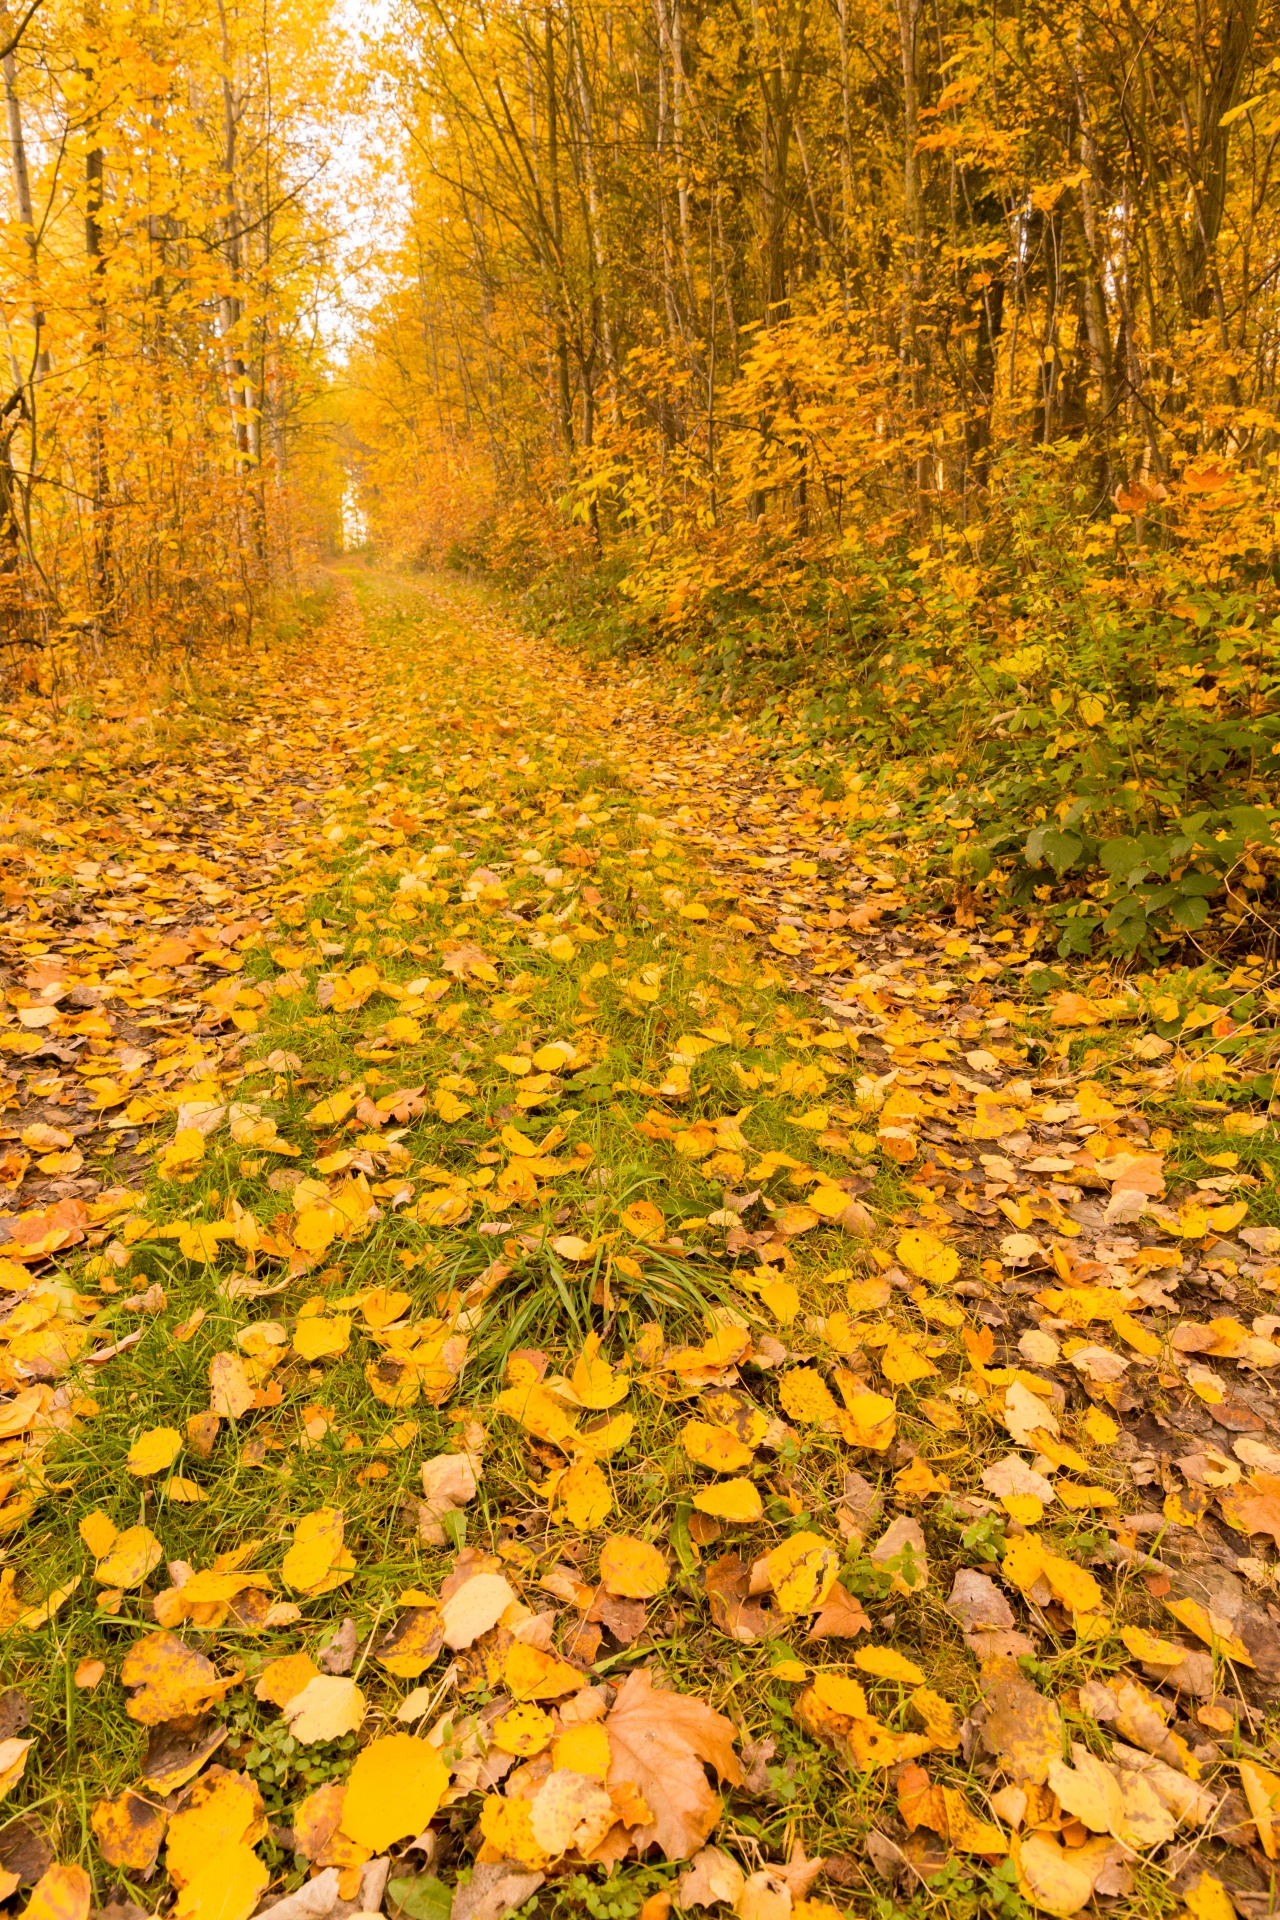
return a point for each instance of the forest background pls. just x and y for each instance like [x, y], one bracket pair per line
[905, 375]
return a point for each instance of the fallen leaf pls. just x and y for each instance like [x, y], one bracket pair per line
[477, 1605]
[659, 1742]
[393, 1790]
[327, 1707]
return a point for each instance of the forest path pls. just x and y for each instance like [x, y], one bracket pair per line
[476, 1127]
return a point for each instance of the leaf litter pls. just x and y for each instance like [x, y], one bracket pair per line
[547, 1342]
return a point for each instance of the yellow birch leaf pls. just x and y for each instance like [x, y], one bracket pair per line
[884, 1664]
[802, 1572]
[585, 1496]
[154, 1450]
[321, 1336]
[632, 1569]
[928, 1258]
[806, 1398]
[134, 1554]
[733, 1500]
[530, 1674]
[393, 1790]
[317, 1541]
[867, 1419]
[326, 1708]
[523, 1731]
[714, 1447]
[98, 1532]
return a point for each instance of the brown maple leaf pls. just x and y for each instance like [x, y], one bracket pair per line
[1254, 1505]
[661, 1743]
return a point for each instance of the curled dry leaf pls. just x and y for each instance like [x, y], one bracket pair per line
[733, 1609]
[712, 1875]
[449, 1482]
[1058, 1879]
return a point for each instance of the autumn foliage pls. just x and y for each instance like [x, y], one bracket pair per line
[901, 379]
[159, 266]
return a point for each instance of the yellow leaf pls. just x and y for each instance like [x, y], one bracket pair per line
[384, 1306]
[1078, 1498]
[938, 1716]
[185, 1150]
[474, 1607]
[643, 1221]
[1213, 1628]
[319, 1337]
[1262, 1791]
[594, 1380]
[734, 1500]
[523, 1731]
[884, 1664]
[317, 1541]
[631, 1568]
[1208, 1899]
[315, 1228]
[828, 1202]
[901, 1364]
[229, 1391]
[284, 1677]
[1073, 1586]
[13, 1761]
[782, 1299]
[928, 1258]
[154, 1450]
[129, 1830]
[530, 1674]
[867, 1419]
[65, 1893]
[541, 1415]
[802, 1572]
[583, 1749]
[328, 1112]
[842, 1695]
[1148, 1646]
[393, 1790]
[507, 1829]
[41, 1614]
[714, 1447]
[98, 1532]
[585, 1495]
[223, 1813]
[326, 1708]
[133, 1555]
[804, 1396]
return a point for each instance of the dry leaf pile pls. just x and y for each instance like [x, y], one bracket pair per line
[512, 1395]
